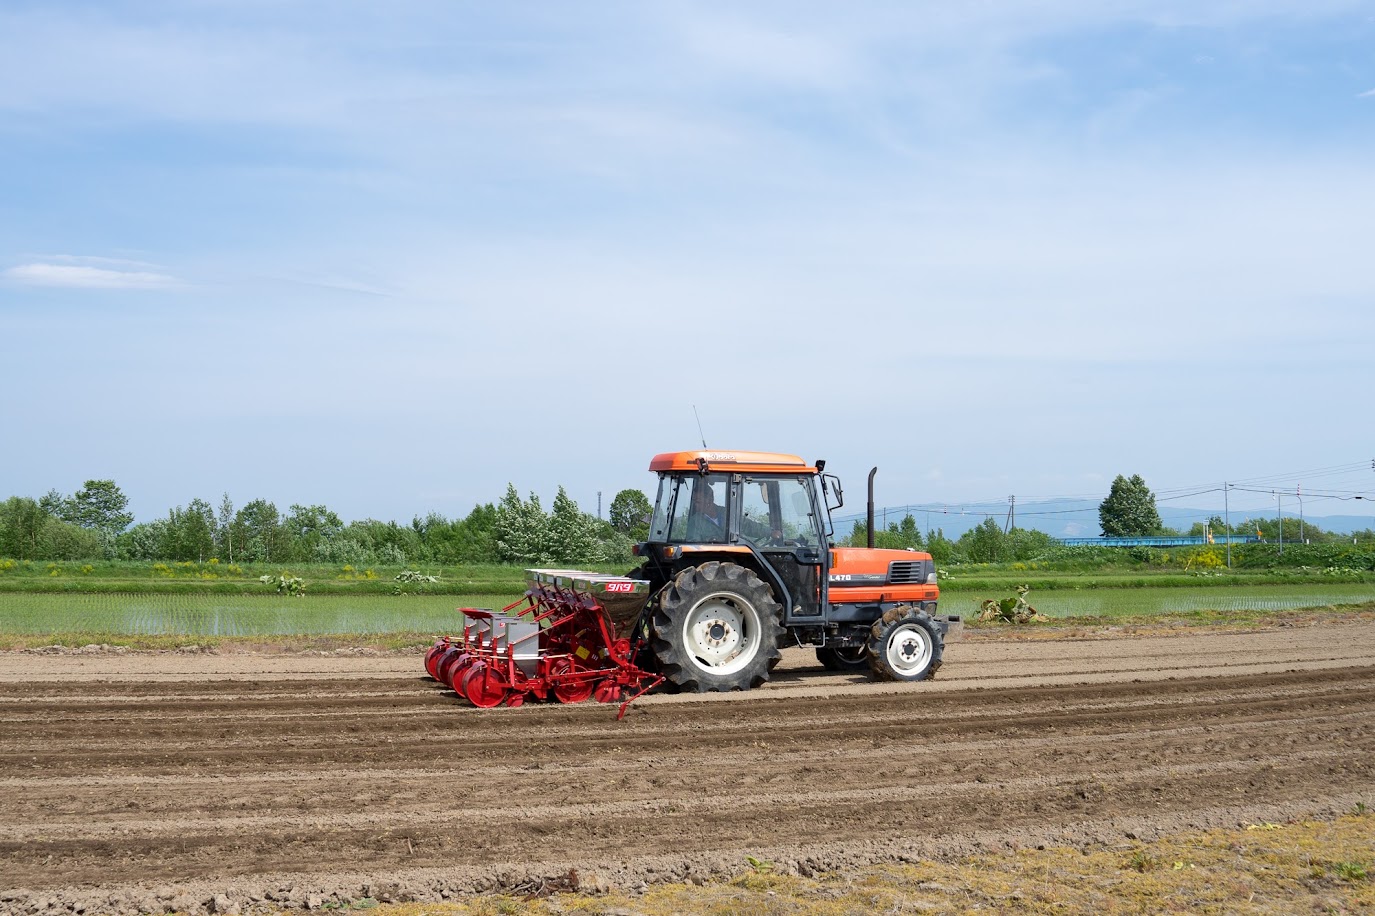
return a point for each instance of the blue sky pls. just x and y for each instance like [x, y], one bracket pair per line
[390, 258]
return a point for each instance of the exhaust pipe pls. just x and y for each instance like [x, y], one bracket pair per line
[871, 507]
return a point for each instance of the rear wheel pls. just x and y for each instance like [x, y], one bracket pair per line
[904, 645]
[717, 628]
[849, 658]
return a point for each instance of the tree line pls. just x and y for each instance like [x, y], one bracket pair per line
[95, 523]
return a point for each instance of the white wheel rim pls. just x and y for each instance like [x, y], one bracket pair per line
[721, 633]
[909, 649]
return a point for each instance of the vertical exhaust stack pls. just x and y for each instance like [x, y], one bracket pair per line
[871, 507]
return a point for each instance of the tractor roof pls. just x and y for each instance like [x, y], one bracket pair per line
[759, 462]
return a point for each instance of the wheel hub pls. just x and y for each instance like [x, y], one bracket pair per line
[718, 635]
[909, 649]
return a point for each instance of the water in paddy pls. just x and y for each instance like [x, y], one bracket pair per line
[1108, 602]
[261, 615]
[248, 615]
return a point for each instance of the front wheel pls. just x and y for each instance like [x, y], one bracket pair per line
[904, 645]
[717, 628]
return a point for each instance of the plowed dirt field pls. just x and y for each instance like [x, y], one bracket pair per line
[144, 782]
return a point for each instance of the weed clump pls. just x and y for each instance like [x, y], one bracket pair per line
[1010, 610]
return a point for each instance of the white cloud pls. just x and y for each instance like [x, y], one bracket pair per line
[81, 276]
[1369, 93]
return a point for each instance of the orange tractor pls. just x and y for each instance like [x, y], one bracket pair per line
[739, 564]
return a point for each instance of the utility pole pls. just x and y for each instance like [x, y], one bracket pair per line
[1298, 491]
[599, 504]
[1011, 514]
[1279, 512]
[1227, 517]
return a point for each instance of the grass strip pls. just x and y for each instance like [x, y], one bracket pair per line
[1311, 866]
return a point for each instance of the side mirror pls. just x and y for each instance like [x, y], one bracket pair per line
[834, 482]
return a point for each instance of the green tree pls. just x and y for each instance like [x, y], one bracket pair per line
[521, 529]
[144, 541]
[467, 540]
[190, 532]
[56, 505]
[307, 527]
[259, 532]
[1268, 529]
[908, 534]
[1129, 509]
[381, 543]
[941, 548]
[101, 505]
[224, 540]
[629, 514]
[21, 528]
[614, 546]
[478, 540]
[983, 544]
[63, 541]
[572, 533]
[1027, 544]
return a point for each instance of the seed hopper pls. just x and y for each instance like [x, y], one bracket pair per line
[570, 639]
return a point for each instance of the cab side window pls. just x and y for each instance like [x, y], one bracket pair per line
[778, 512]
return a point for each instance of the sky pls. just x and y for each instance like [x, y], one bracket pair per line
[389, 258]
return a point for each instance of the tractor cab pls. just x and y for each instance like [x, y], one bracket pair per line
[758, 509]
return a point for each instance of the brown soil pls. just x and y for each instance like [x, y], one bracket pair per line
[157, 781]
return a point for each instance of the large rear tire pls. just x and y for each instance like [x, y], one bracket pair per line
[905, 645]
[717, 628]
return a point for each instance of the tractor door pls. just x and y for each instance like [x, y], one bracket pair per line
[780, 518]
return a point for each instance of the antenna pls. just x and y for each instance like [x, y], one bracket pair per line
[704, 435]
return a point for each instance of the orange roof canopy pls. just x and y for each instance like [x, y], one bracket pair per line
[725, 460]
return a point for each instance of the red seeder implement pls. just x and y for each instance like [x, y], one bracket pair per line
[562, 640]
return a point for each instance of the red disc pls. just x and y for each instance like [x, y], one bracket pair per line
[454, 669]
[436, 664]
[608, 691]
[460, 675]
[432, 656]
[485, 685]
[441, 664]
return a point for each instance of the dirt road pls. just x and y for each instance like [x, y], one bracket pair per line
[147, 782]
